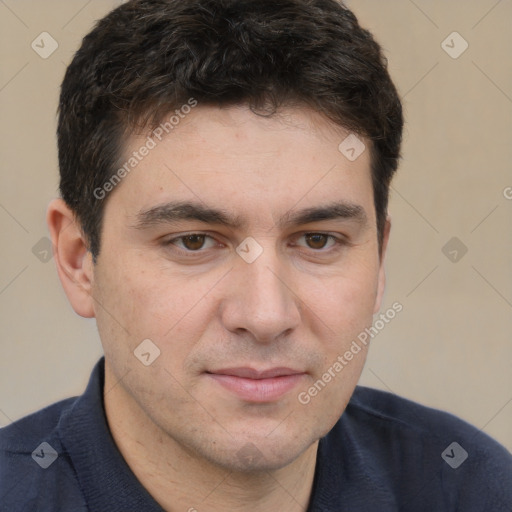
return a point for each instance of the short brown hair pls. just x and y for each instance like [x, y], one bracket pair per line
[149, 57]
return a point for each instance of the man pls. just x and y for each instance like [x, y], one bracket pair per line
[225, 167]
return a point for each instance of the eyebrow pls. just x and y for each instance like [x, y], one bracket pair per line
[176, 211]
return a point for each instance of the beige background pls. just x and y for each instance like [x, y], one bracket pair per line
[450, 347]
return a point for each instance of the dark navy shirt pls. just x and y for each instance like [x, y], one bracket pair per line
[384, 454]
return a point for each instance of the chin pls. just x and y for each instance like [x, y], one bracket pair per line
[250, 459]
[252, 453]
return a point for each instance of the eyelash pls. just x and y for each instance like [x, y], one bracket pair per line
[337, 245]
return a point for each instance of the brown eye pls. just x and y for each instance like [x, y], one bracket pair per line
[316, 240]
[193, 242]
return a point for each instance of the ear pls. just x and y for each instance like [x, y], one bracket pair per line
[381, 285]
[73, 260]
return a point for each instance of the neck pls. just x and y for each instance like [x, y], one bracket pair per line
[180, 480]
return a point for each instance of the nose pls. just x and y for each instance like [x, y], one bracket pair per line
[261, 300]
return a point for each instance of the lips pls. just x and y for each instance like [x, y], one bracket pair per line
[257, 386]
[250, 373]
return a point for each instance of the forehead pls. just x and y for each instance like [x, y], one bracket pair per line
[246, 163]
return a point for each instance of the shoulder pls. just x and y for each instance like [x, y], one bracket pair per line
[419, 451]
[31, 427]
[397, 412]
[34, 462]
[386, 411]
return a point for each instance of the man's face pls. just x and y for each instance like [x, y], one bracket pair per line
[241, 333]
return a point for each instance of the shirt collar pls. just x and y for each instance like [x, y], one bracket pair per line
[108, 483]
[105, 479]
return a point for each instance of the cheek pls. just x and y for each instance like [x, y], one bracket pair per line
[138, 300]
[345, 303]
[342, 311]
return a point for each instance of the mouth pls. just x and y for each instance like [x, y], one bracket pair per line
[257, 386]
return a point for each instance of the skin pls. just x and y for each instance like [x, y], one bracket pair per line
[299, 305]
